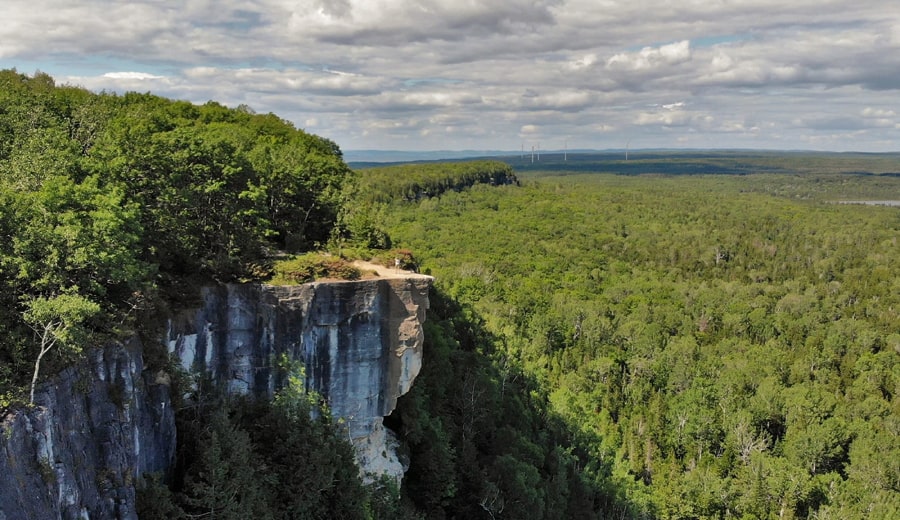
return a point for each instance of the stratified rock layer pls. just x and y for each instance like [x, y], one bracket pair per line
[93, 430]
[98, 428]
[360, 343]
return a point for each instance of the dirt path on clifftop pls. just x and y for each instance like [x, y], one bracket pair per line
[368, 268]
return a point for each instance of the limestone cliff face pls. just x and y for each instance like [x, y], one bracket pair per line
[93, 430]
[99, 427]
[360, 343]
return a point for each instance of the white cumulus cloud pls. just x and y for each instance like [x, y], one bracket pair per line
[650, 57]
[437, 74]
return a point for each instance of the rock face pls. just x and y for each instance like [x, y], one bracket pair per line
[93, 430]
[98, 428]
[360, 343]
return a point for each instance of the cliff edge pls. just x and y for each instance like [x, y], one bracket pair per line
[360, 343]
[96, 429]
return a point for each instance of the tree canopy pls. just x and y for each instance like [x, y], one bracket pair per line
[110, 198]
[719, 346]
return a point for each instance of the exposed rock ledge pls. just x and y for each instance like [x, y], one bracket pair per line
[93, 431]
[96, 429]
[360, 342]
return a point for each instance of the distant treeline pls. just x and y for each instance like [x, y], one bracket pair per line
[716, 162]
[416, 181]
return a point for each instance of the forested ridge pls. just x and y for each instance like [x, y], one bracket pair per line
[417, 181]
[721, 346]
[598, 346]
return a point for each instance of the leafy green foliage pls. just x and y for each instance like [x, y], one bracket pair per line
[313, 266]
[218, 187]
[720, 346]
[314, 472]
[112, 198]
[281, 460]
[155, 501]
[57, 322]
[481, 439]
[416, 181]
[361, 221]
[226, 480]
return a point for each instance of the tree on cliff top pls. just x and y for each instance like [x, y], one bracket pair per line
[57, 322]
[109, 198]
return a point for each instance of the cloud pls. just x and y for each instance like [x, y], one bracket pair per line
[650, 57]
[673, 115]
[877, 112]
[475, 73]
[586, 61]
[401, 22]
[131, 75]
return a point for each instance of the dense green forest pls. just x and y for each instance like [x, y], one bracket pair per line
[719, 345]
[688, 336]
[417, 181]
[109, 202]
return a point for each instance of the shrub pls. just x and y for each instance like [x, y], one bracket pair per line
[313, 266]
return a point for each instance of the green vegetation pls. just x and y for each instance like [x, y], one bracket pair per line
[417, 181]
[313, 266]
[108, 202]
[718, 346]
[361, 222]
[279, 460]
[675, 336]
[482, 440]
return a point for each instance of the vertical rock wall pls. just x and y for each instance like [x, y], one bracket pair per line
[360, 343]
[99, 427]
[92, 431]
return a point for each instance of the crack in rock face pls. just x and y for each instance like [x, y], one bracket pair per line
[97, 428]
[360, 343]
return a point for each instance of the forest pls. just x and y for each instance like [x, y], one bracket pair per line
[693, 335]
[719, 345]
[115, 209]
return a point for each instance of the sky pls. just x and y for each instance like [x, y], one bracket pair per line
[496, 74]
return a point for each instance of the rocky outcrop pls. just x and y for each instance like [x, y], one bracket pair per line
[359, 341]
[92, 431]
[98, 428]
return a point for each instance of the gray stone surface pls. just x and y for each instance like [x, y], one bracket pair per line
[92, 431]
[97, 428]
[360, 343]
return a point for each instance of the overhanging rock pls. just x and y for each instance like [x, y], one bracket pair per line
[359, 341]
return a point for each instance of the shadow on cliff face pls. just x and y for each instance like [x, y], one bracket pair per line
[481, 439]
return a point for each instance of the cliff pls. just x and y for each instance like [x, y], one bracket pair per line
[97, 428]
[93, 430]
[360, 343]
